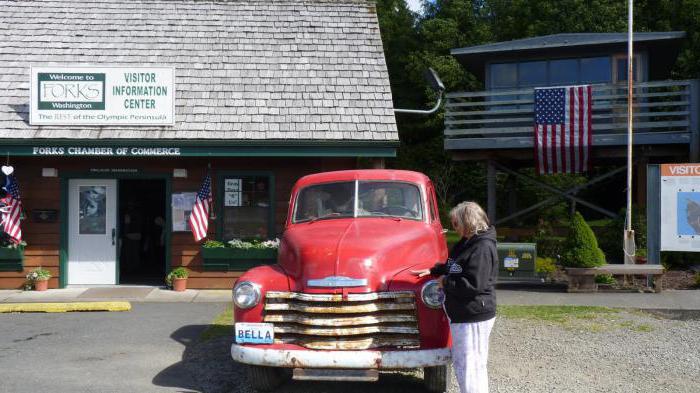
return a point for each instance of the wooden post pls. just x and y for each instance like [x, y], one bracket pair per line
[491, 190]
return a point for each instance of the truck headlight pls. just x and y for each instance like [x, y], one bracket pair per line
[432, 294]
[246, 294]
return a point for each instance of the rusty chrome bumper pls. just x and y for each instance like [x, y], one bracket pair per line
[367, 359]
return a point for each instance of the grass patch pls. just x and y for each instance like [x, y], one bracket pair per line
[222, 325]
[557, 314]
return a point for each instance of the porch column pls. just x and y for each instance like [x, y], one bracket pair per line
[491, 190]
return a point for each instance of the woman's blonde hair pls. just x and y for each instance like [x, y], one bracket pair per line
[469, 218]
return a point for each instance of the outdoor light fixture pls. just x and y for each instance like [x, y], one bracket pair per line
[436, 84]
[180, 172]
[49, 172]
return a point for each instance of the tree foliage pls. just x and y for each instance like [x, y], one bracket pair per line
[414, 42]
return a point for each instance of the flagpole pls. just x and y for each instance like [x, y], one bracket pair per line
[629, 246]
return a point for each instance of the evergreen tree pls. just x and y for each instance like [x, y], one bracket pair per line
[581, 246]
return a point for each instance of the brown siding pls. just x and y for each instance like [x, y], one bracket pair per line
[44, 193]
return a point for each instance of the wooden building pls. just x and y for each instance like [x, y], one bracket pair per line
[265, 91]
[497, 125]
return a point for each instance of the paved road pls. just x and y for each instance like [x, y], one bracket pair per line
[136, 351]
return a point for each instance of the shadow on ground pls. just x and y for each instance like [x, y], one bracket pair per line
[206, 366]
[532, 287]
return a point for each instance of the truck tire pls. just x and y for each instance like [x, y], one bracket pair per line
[265, 379]
[435, 379]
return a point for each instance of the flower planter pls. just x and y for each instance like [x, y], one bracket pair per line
[41, 285]
[236, 259]
[179, 284]
[11, 259]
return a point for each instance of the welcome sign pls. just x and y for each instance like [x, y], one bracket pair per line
[102, 96]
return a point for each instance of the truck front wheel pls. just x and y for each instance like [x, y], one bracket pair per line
[265, 379]
[435, 379]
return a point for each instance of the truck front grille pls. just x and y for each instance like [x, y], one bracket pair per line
[327, 321]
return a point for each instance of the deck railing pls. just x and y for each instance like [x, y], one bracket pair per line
[490, 119]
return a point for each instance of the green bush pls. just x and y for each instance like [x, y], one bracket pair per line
[581, 246]
[545, 266]
[611, 234]
[605, 279]
[548, 245]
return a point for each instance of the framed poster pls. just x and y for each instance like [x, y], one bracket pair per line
[182, 204]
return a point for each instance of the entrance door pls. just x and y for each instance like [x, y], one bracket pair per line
[92, 231]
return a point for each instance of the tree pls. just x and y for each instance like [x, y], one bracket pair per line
[581, 246]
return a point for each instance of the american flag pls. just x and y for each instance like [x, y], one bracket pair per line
[199, 218]
[12, 211]
[563, 135]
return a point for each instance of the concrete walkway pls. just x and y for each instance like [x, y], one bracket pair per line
[667, 300]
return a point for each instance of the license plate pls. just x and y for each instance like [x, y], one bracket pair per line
[254, 333]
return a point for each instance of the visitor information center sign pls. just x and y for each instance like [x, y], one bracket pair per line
[102, 96]
[680, 207]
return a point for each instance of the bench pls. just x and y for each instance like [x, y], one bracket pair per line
[583, 279]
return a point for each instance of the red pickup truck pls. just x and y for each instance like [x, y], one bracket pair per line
[341, 303]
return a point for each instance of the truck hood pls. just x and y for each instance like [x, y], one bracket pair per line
[371, 249]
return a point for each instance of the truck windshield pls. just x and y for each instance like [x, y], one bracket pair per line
[358, 199]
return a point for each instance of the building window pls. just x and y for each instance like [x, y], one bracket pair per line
[246, 207]
[596, 70]
[556, 72]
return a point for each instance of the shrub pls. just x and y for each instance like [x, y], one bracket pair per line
[178, 272]
[605, 279]
[545, 266]
[548, 245]
[611, 235]
[581, 246]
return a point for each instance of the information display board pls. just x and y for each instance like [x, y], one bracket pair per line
[680, 207]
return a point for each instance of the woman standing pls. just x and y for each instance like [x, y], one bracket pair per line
[468, 279]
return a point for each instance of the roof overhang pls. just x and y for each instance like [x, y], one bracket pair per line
[115, 148]
[662, 46]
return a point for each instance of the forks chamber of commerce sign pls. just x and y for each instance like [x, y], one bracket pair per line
[102, 96]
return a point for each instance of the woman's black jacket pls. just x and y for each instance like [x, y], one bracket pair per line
[470, 275]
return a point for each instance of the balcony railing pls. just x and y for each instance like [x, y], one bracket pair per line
[664, 113]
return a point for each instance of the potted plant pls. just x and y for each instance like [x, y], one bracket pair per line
[238, 254]
[39, 279]
[177, 279]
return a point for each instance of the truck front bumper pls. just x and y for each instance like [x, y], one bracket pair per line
[368, 359]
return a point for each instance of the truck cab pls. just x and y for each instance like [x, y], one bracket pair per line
[341, 303]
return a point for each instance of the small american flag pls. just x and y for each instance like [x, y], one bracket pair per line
[12, 211]
[563, 135]
[199, 218]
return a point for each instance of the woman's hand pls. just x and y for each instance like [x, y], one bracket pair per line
[421, 273]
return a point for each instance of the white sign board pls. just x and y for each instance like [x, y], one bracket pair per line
[680, 207]
[102, 96]
[182, 204]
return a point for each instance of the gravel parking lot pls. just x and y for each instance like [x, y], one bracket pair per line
[587, 352]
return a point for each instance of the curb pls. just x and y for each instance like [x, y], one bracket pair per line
[64, 307]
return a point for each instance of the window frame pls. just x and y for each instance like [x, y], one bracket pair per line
[220, 181]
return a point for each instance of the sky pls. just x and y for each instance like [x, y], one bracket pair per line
[414, 5]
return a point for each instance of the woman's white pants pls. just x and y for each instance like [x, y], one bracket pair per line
[470, 353]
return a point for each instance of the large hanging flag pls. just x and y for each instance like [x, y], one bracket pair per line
[563, 134]
[11, 207]
[199, 218]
